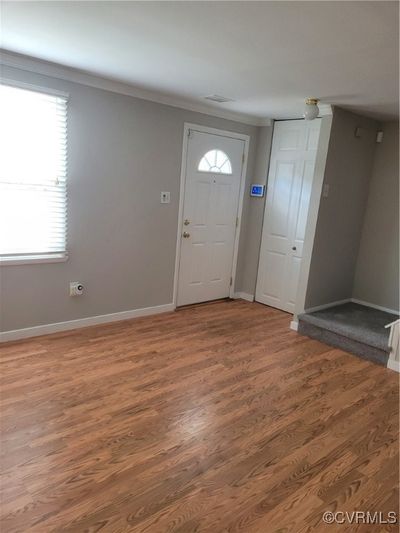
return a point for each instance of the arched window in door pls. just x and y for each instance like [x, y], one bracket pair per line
[215, 161]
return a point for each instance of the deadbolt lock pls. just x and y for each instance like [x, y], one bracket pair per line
[186, 222]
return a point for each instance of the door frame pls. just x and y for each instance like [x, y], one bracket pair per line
[223, 133]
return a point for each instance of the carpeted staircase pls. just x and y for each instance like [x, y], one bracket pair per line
[352, 327]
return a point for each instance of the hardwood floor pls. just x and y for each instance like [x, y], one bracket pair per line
[215, 418]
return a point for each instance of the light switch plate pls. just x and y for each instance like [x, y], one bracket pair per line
[325, 191]
[165, 197]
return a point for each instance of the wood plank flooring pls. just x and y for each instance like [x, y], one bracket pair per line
[215, 418]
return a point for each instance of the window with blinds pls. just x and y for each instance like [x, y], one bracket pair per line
[33, 199]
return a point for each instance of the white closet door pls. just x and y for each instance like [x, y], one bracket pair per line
[291, 172]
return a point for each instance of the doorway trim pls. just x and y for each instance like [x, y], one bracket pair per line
[223, 133]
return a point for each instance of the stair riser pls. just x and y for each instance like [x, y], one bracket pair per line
[365, 351]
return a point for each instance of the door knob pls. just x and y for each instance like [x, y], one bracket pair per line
[186, 222]
[294, 248]
[186, 235]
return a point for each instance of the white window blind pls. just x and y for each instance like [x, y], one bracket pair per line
[33, 141]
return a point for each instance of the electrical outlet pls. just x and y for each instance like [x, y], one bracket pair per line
[165, 197]
[75, 288]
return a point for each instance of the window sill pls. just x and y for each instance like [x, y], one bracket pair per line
[32, 259]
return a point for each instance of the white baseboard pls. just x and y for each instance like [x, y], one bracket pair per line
[326, 306]
[46, 329]
[379, 307]
[354, 300]
[393, 365]
[244, 296]
[294, 325]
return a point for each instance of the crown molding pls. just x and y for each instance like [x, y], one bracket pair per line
[55, 70]
[265, 122]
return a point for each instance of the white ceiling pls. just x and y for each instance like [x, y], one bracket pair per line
[267, 56]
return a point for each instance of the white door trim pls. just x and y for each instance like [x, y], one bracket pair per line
[223, 133]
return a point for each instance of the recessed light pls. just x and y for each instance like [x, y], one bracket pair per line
[218, 98]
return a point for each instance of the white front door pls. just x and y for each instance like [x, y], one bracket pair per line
[291, 172]
[212, 187]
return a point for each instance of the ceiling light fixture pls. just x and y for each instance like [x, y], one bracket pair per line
[311, 109]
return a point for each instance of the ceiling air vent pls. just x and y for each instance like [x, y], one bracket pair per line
[218, 98]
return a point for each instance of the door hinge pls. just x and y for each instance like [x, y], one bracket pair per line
[237, 221]
[230, 283]
[189, 133]
[243, 157]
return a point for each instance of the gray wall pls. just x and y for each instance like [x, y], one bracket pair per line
[377, 272]
[253, 216]
[340, 217]
[313, 209]
[122, 152]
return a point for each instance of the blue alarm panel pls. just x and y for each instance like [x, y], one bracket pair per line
[257, 190]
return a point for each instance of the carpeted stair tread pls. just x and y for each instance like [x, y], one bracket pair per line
[354, 321]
